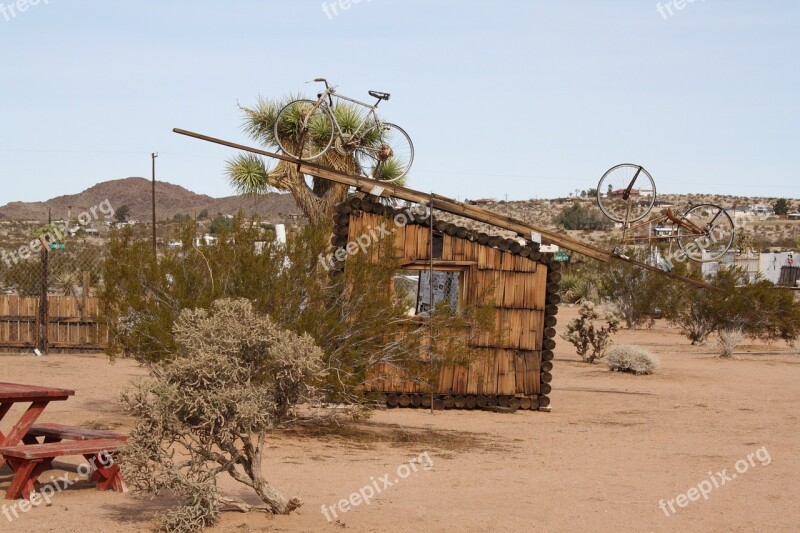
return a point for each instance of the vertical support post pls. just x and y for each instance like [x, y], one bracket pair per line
[155, 250]
[430, 296]
[44, 305]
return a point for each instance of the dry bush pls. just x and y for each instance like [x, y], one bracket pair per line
[234, 377]
[728, 340]
[633, 359]
[590, 341]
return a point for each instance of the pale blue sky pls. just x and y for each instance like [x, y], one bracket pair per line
[525, 98]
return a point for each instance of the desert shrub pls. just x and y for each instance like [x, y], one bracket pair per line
[633, 359]
[636, 295]
[589, 340]
[578, 217]
[352, 316]
[757, 309]
[728, 340]
[234, 376]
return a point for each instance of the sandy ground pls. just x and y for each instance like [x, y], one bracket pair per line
[613, 447]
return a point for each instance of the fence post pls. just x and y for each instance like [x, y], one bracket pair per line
[44, 304]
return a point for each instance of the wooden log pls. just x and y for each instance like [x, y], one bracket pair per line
[438, 404]
[548, 344]
[482, 400]
[341, 231]
[546, 377]
[426, 400]
[551, 310]
[553, 299]
[404, 400]
[554, 276]
[392, 400]
[535, 403]
[547, 366]
[462, 233]
[338, 241]
[514, 403]
[504, 244]
[553, 288]
[440, 225]
[416, 400]
[494, 241]
[544, 401]
[525, 404]
[514, 247]
[492, 400]
[342, 220]
[547, 258]
[549, 333]
[556, 266]
[461, 402]
[471, 402]
[502, 401]
[550, 321]
[483, 238]
[546, 388]
[343, 208]
[525, 252]
[547, 355]
[536, 256]
[449, 402]
[355, 203]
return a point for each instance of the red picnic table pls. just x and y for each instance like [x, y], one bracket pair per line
[29, 458]
[38, 397]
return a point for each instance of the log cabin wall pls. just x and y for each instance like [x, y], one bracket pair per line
[519, 282]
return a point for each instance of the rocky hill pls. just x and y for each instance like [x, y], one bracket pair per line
[136, 194]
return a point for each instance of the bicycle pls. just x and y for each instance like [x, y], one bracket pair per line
[382, 150]
[626, 194]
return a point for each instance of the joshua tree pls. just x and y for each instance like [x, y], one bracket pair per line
[249, 174]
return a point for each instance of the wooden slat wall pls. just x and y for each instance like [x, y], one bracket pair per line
[506, 366]
[68, 326]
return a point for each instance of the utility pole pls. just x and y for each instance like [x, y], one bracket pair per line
[155, 250]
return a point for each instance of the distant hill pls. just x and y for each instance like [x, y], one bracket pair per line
[136, 194]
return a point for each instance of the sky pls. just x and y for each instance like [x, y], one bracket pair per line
[514, 99]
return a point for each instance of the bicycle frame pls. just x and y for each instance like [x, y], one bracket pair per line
[330, 93]
[670, 217]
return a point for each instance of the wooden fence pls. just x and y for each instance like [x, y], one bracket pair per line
[71, 325]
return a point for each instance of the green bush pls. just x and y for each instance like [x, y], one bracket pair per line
[578, 217]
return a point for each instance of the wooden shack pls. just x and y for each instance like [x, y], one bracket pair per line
[512, 372]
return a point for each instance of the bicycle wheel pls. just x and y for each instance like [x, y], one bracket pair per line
[626, 193]
[304, 129]
[717, 233]
[385, 153]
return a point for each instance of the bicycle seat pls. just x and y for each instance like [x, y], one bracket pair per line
[379, 95]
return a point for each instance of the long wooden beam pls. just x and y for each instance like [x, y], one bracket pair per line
[448, 205]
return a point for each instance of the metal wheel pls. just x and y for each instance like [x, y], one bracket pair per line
[626, 193]
[385, 153]
[717, 236]
[304, 129]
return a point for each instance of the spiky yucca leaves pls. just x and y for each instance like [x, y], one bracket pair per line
[249, 174]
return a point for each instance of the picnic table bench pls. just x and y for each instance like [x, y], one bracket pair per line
[29, 461]
[29, 458]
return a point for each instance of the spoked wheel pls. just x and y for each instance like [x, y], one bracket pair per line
[304, 130]
[708, 233]
[626, 193]
[385, 153]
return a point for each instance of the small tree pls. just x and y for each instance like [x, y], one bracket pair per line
[728, 340]
[781, 207]
[234, 377]
[635, 294]
[577, 217]
[590, 342]
[121, 213]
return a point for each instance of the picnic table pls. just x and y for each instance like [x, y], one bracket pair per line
[29, 458]
[38, 397]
